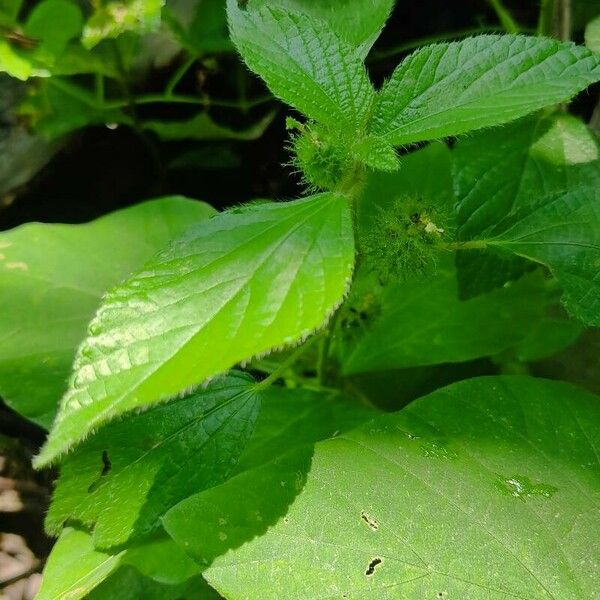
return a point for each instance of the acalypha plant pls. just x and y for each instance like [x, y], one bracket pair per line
[242, 416]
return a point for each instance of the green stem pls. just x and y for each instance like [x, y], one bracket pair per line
[468, 245]
[99, 84]
[286, 364]
[564, 20]
[504, 16]
[595, 119]
[180, 99]
[85, 98]
[546, 20]
[322, 364]
[179, 74]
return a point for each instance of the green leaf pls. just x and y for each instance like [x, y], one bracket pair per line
[17, 65]
[304, 63]
[506, 467]
[129, 474]
[563, 233]
[54, 277]
[200, 26]
[54, 23]
[59, 107]
[289, 424]
[347, 18]
[421, 322]
[74, 567]
[449, 89]
[241, 284]
[502, 172]
[203, 127]
[592, 35]
[505, 170]
[111, 18]
[294, 418]
[129, 584]
[161, 560]
[549, 336]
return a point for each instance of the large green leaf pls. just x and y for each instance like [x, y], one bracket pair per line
[348, 18]
[75, 569]
[290, 422]
[304, 63]
[128, 584]
[486, 489]
[293, 418]
[422, 321]
[501, 173]
[563, 233]
[449, 89]
[52, 278]
[200, 26]
[241, 284]
[129, 474]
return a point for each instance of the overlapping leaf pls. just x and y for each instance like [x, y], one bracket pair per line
[129, 474]
[75, 569]
[423, 322]
[449, 89]
[243, 283]
[304, 63]
[350, 19]
[505, 467]
[53, 297]
[530, 190]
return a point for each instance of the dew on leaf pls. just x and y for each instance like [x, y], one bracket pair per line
[437, 449]
[522, 487]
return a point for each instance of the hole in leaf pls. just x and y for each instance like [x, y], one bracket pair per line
[371, 568]
[106, 464]
[106, 467]
[372, 523]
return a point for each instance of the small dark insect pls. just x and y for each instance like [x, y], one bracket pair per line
[18, 39]
[242, 4]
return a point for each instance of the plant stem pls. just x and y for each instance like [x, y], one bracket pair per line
[504, 16]
[99, 84]
[325, 348]
[564, 20]
[595, 119]
[286, 364]
[179, 74]
[467, 245]
[85, 98]
[546, 20]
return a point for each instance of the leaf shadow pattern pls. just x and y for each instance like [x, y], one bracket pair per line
[209, 524]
